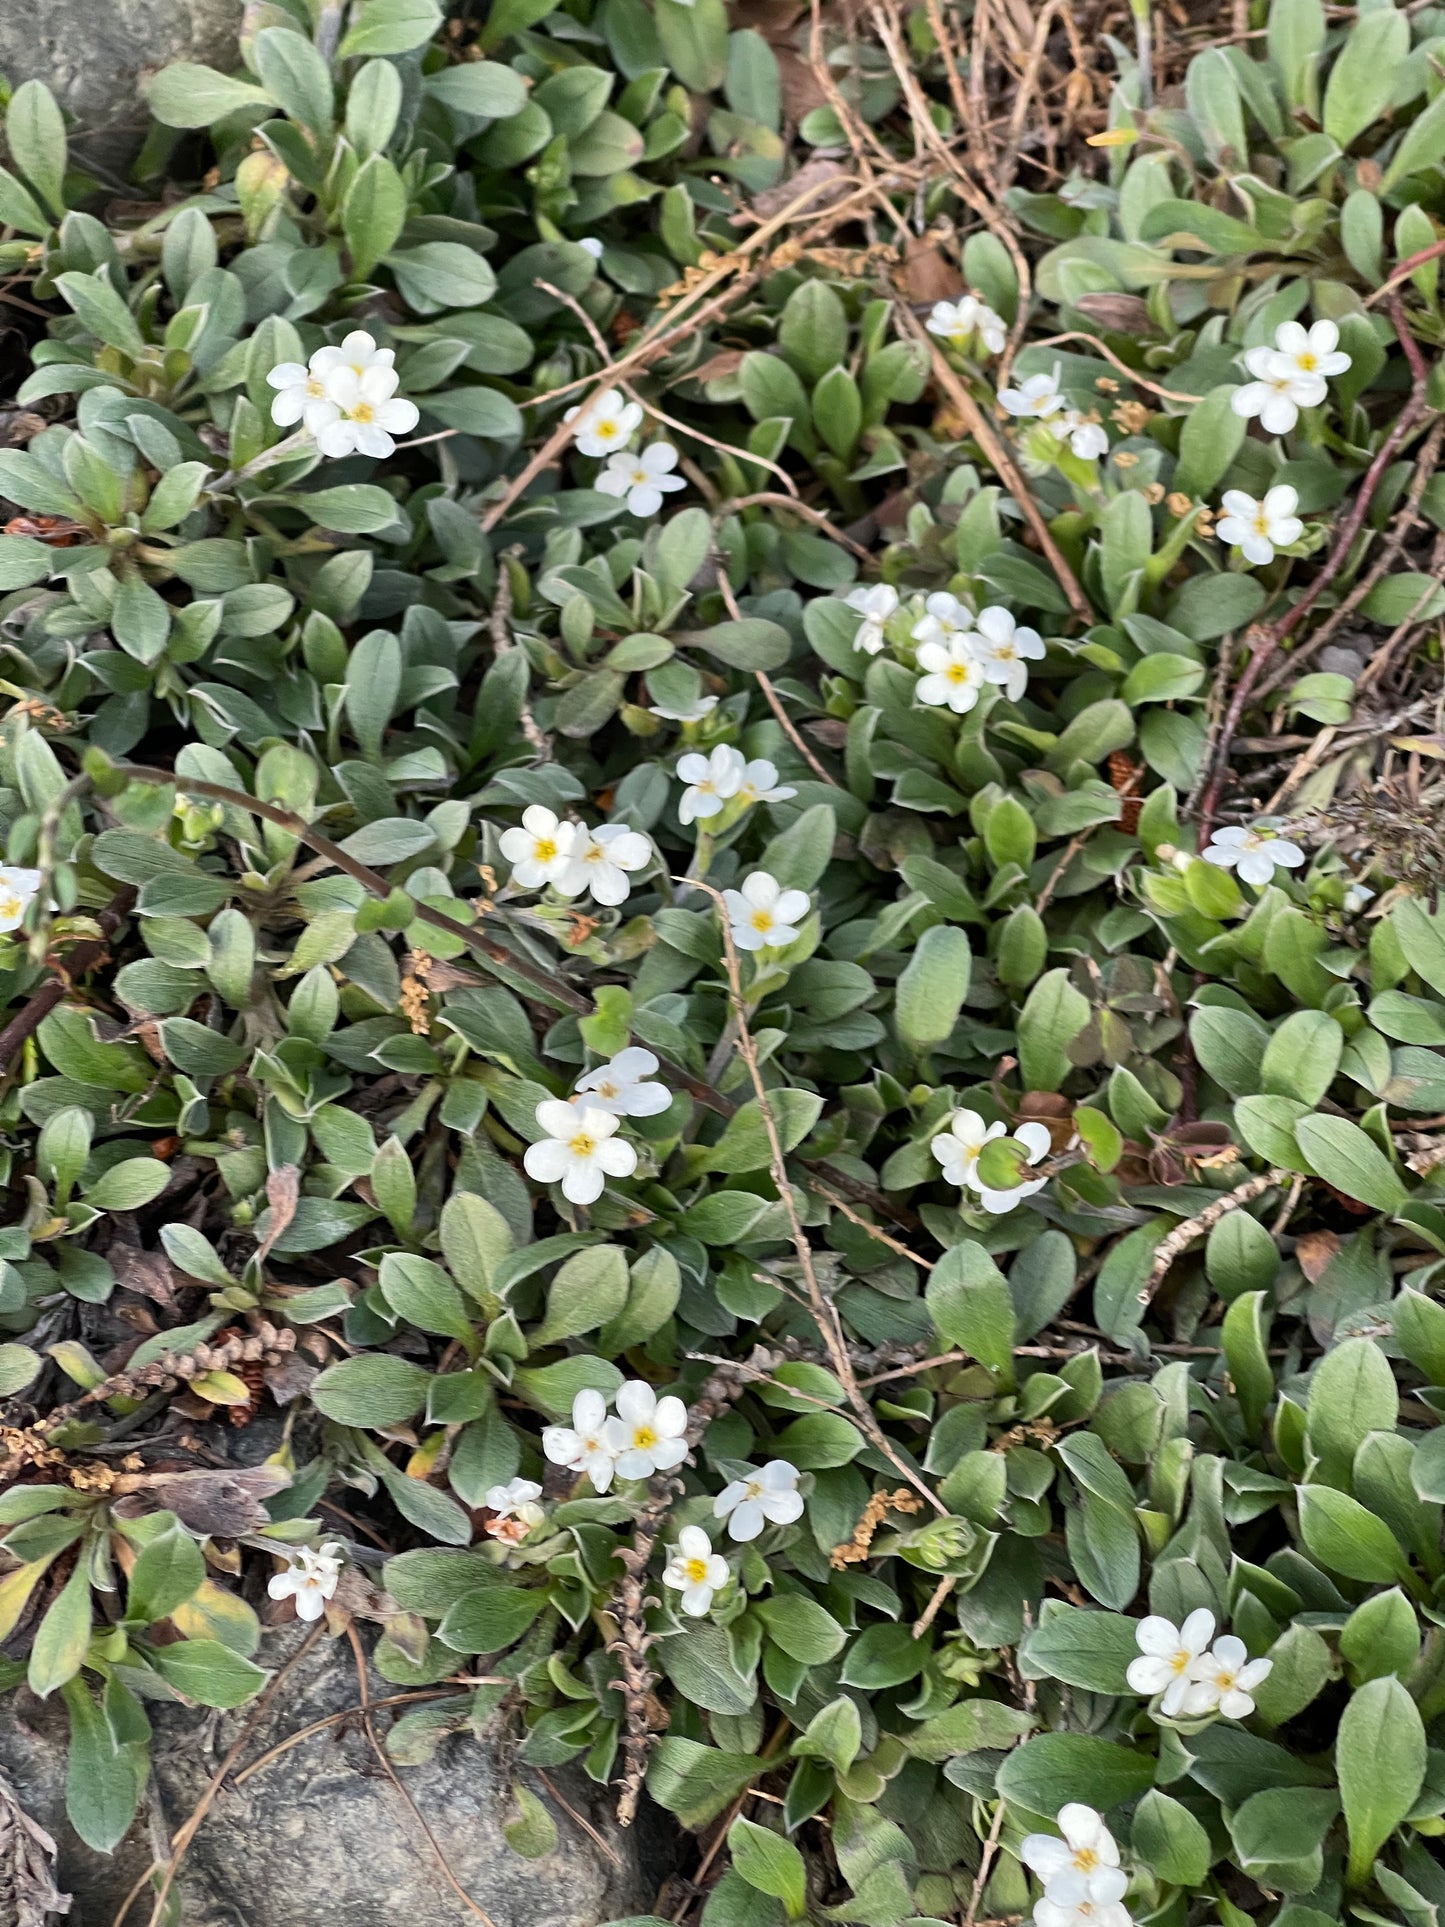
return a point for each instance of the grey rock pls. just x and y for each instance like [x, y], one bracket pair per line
[320, 1833]
[94, 54]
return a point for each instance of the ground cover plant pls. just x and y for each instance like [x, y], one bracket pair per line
[721, 839]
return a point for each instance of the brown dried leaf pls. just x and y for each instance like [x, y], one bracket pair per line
[772, 200]
[1124, 314]
[927, 274]
[225, 1503]
[1313, 1251]
[147, 1272]
[283, 1191]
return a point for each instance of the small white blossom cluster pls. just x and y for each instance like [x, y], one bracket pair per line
[605, 427]
[960, 652]
[968, 324]
[1254, 850]
[309, 1578]
[514, 1510]
[1192, 1676]
[959, 1148]
[1258, 528]
[345, 398]
[763, 915]
[645, 1436]
[620, 1085]
[18, 890]
[579, 1149]
[768, 1496]
[726, 776]
[1289, 376]
[696, 1571]
[875, 604]
[1084, 1885]
[1040, 398]
[573, 858]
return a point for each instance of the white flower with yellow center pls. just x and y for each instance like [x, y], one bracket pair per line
[1311, 351]
[582, 1446]
[358, 352]
[600, 861]
[959, 1148]
[18, 890]
[763, 915]
[875, 604]
[367, 413]
[953, 674]
[642, 479]
[1254, 850]
[712, 781]
[1168, 1655]
[1080, 1870]
[579, 1150]
[1225, 1679]
[620, 1085]
[1087, 438]
[769, 1496]
[1006, 648]
[1280, 389]
[1035, 399]
[1258, 528]
[647, 1434]
[541, 850]
[301, 396]
[310, 1578]
[760, 783]
[696, 1571]
[967, 323]
[606, 422]
[944, 618]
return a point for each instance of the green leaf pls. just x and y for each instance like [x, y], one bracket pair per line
[972, 1726]
[764, 1859]
[166, 1573]
[63, 1635]
[35, 134]
[932, 987]
[971, 1306]
[490, 1619]
[390, 27]
[1089, 1649]
[19, 1367]
[128, 1185]
[185, 95]
[1049, 1022]
[1345, 1538]
[694, 36]
[208, 1672]
[102, 311]
[295, 75]
[696, 1782]
[1380, 1637]
[1348, 1158]
[1052, 1769]
[1380, 1761]
[744, 1144]
[374, 214]
[1302, 1057]
[1351, 1394]
[801, 1627]
[590, 1288]
[372, 1388]
[1169, 1840]
[421, 1293]
[1362, 79]
[531, 1832]
[102, 1780]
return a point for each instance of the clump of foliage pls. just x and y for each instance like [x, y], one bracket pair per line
[969, 1360]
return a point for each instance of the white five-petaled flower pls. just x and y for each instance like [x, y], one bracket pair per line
[1083, 1882]
[599, 860]
[944, 618]
[647, 1434]
[1257, 529]
[1087, 438]
[1005, 648]
[712, 781]
[966, 322]
[366, 414]
[579, 1150]
[1224, 1680]
[312, 395]
[1312, 351]
[769, 1497]
[642, 479]
[582, 1446]
[18, 890]
[760, 783]
[694, 713]
[620, 1085]
[606, 423]
[1280, 389]
[301, 395]
[875, 605]
[541, 850]
[953, 674]
[514, 1510]
[1255, 850]
[358, 352]
[959, 1148]
[1168, 1655]
[763, 915]
[1036, 397]
[696, 1571]
[310, 1577]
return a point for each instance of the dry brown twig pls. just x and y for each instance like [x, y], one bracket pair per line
[774, 701]
[498, 627]
[1184, 1234]
[630, 1647]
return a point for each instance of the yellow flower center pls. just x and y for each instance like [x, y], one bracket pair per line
[1225, 1682]
[1005, 652]
[544, 849]
[644, 1438]
[363, 412]
[1086, 1860]
[761, 920]
[605, 430]
[695, 1571]
[1260, 524]
[609, 1090]
[10, 906]
[957, 672]
[582, 1146]
[315, 386]
[1307, 362]
[1179, 1662]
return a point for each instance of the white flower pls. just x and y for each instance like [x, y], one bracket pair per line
[301, 396]
[959, 1148]
[599, 860]
[711, 781]
[875, 605]
[960, 323]
[1087, 1913]
[694, 713]
[1080, 1870]
[642, 479]
[696, 1571]
[1257, 529]
[582, 1446]
[1038, 396]
[647, 1434]
[953, 674]
[365, 413]
[1168, 1654]
[1254, 849]
[541, 850]
[770, 1496]
[763, 915]
[1005, 650]
[945, 618]
[1278, 392]
[1356, 897]
[1311, 351]
[358, 352]
[310, 1578]
[18, 890]
[515, 1510]
[1224, 1680]
[1088, 439]
[579, 1151]
[592, 245]
[619, 1085]
[760, 783]
[609, 425]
